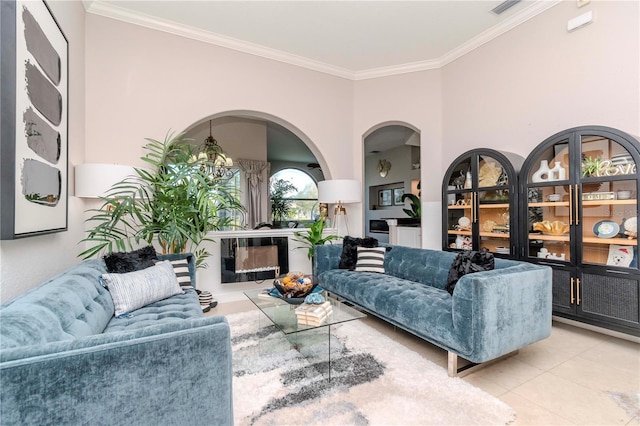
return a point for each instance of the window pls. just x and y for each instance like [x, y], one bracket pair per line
[233, 186]
[294, 196]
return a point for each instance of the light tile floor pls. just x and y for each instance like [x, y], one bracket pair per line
[562, 380]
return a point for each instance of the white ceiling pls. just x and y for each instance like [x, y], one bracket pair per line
[352, 39]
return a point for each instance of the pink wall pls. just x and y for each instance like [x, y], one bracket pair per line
[141, 82]
[538, 79]
[27, 262]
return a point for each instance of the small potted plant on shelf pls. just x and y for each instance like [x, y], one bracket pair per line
[176, 202]
[590, 166]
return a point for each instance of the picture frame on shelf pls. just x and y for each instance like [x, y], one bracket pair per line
[34, 84]
[385, 197]
[397, 196]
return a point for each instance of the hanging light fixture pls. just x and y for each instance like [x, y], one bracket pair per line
[220, 165]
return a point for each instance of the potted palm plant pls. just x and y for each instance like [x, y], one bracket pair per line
[175, 202]
[313, 237]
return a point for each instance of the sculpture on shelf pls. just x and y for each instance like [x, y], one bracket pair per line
[459, 181]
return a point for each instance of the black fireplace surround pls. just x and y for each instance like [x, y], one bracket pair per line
[253, 259]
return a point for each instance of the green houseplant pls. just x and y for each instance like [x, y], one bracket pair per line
[280, 206]
[175, 201]
[416, 208]
[313, 237]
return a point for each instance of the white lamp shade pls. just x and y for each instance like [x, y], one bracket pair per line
[339, 191]
[95, 180]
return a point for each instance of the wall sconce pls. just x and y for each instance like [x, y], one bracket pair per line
[95, 180]
[383, 167]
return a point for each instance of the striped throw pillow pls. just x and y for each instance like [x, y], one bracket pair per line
[134, 290]
[371, 259]
[181, 268]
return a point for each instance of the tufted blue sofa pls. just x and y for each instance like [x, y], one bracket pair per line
[66, 360]
[490, 314]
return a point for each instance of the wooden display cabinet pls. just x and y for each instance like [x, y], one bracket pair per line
[581, 189]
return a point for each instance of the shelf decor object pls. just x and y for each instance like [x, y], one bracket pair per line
[34, 81]
[594, 257]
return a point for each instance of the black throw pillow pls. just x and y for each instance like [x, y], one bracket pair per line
[349, 256]
[121, 263]
[467, 262]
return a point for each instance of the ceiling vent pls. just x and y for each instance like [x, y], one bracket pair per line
[504, 6]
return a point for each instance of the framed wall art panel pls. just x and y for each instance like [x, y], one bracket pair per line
[34, 109]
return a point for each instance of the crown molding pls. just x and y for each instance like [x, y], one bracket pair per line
[508, 24]
[109, 10]
[119, 13]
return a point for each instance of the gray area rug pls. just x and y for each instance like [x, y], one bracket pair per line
[628, 401]
[374, 380]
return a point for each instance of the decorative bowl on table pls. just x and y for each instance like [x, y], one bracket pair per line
[294, 287]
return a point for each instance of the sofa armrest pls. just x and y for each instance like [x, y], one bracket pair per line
[175, 373]
[500, 311]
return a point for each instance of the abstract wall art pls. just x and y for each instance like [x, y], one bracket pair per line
[34, 151]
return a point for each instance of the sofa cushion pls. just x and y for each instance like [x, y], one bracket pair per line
[175, 308]
[136, 289]
[123, 262]
[468, 262]
[371, 259]
[349, 256]
[425, 310]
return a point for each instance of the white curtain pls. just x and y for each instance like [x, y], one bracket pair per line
[256, 172]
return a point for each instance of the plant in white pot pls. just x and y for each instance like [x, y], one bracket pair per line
[175, 202]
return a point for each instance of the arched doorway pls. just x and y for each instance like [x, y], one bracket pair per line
[260, 145]
[391, 168]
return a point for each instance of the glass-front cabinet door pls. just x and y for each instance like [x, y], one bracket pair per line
[579, 212]
[479, 196]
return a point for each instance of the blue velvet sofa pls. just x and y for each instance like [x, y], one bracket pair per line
[490, 314]
[66, 360]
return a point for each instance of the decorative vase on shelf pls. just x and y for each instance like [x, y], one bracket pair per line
[558, 172]
[467, 181]
[542, 174]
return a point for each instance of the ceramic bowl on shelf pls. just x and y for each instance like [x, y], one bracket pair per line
[606, 229]
[624, 194]
[555, 197]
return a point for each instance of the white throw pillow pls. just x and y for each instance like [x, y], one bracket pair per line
[134, 290]
[371, 259]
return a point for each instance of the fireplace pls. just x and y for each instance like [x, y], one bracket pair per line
[253, 259]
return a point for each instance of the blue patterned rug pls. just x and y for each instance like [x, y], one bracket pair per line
[374, 380]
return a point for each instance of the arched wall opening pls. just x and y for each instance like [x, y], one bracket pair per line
[252, 137]
[391, 168]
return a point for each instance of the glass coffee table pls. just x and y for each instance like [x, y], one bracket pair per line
[283, 316]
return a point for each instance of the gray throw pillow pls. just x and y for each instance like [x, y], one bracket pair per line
[134, 290]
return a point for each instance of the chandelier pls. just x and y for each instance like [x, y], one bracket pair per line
[220, 165]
